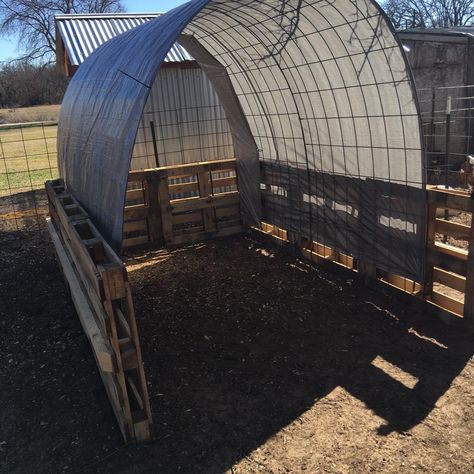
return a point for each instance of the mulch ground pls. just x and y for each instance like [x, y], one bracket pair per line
[256, 362]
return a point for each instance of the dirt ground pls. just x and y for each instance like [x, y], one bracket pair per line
[256, 362]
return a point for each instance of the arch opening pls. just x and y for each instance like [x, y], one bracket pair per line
[328, 103]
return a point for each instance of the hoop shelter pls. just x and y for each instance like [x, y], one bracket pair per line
[319, 100]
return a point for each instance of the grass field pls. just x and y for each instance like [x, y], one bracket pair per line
[39, 113]
[27, 158]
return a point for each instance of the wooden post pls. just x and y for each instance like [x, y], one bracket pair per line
[368, 219]
[155, 231]
[164, 200]
[430, 243]
[205, 190]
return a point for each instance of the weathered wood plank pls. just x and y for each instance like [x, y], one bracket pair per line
[205, 190]
[451, 200]
[445, 262]
[135, 195]
[450, 279]
[186, 169]
[191, 237]
[453, 229]
[452, 251]
[102, 351]
[188, 218]
[448, 303]
[181, 188]
[195, 204]
[135, 241]
[135, 226]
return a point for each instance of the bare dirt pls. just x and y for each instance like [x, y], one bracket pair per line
[256, 362]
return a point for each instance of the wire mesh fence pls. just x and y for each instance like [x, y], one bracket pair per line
[27, 159]
[28, 155]
[447, 115]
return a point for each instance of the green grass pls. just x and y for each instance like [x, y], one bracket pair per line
[27, 158]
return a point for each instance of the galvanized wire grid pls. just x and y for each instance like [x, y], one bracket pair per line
[448, 124]
[27, 159]
[331, 106]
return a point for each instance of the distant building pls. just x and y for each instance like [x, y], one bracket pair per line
[183, 114]
[442, 60]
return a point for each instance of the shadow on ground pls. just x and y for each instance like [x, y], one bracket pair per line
[238, 342]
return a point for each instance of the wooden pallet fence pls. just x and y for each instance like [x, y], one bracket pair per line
[447, 265]
[181, 204]
[99, 287]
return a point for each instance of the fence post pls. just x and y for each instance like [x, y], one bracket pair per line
[155, 232]
[165, 207]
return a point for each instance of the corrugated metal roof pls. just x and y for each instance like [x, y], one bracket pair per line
[444, 31]
[83, 34]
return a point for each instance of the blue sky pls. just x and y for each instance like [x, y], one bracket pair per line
[8, 46]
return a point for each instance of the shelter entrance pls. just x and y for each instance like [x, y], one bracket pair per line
[181, 204]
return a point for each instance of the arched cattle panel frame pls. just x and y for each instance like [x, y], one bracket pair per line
[327, 94]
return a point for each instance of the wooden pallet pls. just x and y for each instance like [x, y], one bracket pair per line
[447, 265]
[175, 205]
[101, 293]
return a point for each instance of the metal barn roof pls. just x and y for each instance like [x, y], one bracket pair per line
[83, 34]
[444, 34]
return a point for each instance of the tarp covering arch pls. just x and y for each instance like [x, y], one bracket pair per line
[322, 101]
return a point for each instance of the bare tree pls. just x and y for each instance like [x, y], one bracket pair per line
[429, 13]
[32, 22]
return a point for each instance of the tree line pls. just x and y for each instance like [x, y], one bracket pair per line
[23, 84]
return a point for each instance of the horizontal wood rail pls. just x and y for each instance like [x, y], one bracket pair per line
[180, 204]
[99, 288]
[447, 265]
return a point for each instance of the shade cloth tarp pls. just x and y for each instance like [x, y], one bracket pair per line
[322, 101]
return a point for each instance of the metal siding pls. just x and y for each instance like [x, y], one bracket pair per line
[82, 36]
[190, 123]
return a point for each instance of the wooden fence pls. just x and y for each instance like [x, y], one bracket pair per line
[97, 280]
[448, 267]
[174, 205]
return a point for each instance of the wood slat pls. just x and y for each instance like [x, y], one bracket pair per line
[205, 190]
[135, 195]
[448, 303]
[175, 171]
[194, 204]
[135, 226]
[451, 199]
[180, 188]
[101, 349]
[228, 211]
[102, 319]
[452, 251]
[188, 218]
[135, 241]
[135, 212]
[453, 229]
[191, 237]
[450, 279]
[224, 182]
[446, 262]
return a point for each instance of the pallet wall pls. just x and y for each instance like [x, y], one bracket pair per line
[449, 280]
[99, 287]
[181, 204]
